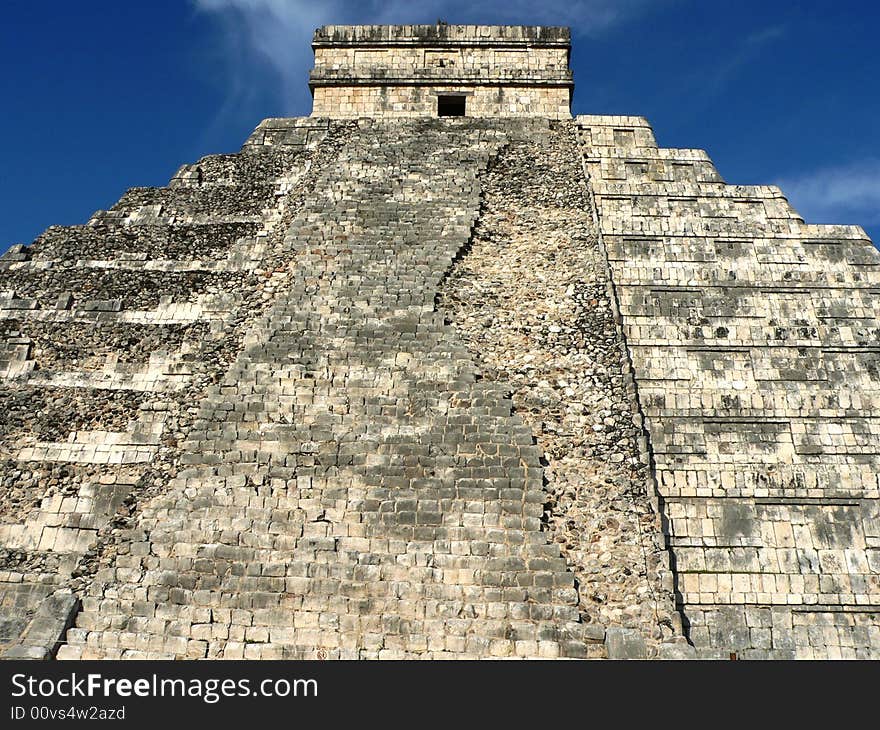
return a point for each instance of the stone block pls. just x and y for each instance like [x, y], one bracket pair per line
[624, 643]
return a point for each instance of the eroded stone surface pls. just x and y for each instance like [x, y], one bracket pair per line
[349, 488]
[530, 299]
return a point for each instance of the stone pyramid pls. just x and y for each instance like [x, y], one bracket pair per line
[442, 371]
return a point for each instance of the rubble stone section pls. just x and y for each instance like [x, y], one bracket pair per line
[399, 70]
[109, 333]
[755, 341]
[530, 298]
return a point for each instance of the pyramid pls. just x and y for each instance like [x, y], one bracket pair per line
[441, 371]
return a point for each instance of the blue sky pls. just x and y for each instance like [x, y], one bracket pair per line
[102, 95]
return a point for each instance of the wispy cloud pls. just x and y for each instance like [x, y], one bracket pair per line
[765, 35]
[750, 50]
[268, 41]
[843, 194]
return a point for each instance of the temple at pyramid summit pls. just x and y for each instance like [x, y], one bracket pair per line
[442, 371]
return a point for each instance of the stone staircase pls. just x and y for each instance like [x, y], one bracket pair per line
[350, 489]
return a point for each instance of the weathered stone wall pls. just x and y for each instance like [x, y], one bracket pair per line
[398, 71]
[424, 62]
[754, 339]
[443, 34]
[509, 100]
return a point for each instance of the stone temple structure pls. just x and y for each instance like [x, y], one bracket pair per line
[441, 371]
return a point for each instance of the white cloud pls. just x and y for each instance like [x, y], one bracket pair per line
[845, 194]
[262, 35]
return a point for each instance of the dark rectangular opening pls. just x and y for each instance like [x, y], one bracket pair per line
[450, 105]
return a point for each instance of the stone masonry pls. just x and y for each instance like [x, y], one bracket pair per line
[111, 333]
[400, 70]
[754, 339]
[387, 385]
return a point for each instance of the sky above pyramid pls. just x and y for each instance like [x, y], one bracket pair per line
[103, 95]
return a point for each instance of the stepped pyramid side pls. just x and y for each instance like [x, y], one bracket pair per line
[110, 332]
[754, 339]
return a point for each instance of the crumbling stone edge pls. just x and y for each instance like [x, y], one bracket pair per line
[47, 629]
[629, 643]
